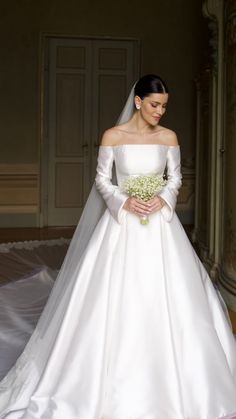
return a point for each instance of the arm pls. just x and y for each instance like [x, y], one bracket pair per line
[111, 194]
[170, 191]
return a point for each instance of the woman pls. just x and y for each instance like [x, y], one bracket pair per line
[134, 328]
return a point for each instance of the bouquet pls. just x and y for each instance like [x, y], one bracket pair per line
[145, 188]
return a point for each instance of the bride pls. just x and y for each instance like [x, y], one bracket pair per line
[133, 328]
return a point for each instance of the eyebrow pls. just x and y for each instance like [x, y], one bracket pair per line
[159, 103]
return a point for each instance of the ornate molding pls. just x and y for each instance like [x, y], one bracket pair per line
[213, 43]
[231, 30]
[213, 11]
[213, 8]
[230, 6]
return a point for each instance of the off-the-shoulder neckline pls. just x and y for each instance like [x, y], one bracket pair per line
[140, 144]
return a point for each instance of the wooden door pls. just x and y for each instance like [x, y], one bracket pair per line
[88, 84]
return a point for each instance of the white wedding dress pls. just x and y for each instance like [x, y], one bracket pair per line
[139, 331]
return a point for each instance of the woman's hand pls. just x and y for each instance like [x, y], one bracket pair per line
[136, 206]
[155, 204]
[139, 207]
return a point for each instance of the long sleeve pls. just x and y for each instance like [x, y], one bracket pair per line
[170, 191]
[111, 194]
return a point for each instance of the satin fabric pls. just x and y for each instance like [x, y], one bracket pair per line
[139, 333]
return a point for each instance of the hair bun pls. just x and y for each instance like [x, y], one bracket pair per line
[148, 84]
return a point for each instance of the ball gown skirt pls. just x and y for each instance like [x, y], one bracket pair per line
[143, 333]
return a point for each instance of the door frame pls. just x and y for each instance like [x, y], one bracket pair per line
[45, 38]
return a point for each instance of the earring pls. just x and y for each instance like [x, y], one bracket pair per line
[137, 106]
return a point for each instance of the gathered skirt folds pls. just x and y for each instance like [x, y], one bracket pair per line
[143, 335]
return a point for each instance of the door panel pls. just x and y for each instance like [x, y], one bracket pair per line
[111, 97]
[69, 130]
[70, 115]
[65, 195]
[73, 56]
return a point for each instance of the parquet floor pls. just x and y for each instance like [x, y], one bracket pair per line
[24, 234]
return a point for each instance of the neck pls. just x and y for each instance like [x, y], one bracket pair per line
[137, 123]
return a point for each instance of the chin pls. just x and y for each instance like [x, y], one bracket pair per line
[154, 123]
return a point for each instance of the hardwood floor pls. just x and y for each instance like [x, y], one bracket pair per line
[45, 233]
[24, 234]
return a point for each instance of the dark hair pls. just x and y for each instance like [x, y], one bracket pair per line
[150, 84]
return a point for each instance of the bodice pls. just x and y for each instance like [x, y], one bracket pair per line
[135, 160]
[139, 159]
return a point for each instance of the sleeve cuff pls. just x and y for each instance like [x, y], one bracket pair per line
[167, 210]
[116, 206]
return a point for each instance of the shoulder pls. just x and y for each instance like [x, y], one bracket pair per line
[169, 137]
[111, 137]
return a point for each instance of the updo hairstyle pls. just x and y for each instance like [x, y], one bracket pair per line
[149, 84]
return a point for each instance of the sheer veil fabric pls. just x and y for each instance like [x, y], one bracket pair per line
[124, 301]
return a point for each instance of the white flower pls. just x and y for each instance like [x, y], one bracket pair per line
[144, 187]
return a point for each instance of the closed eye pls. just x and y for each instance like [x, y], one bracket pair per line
[154, 105]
